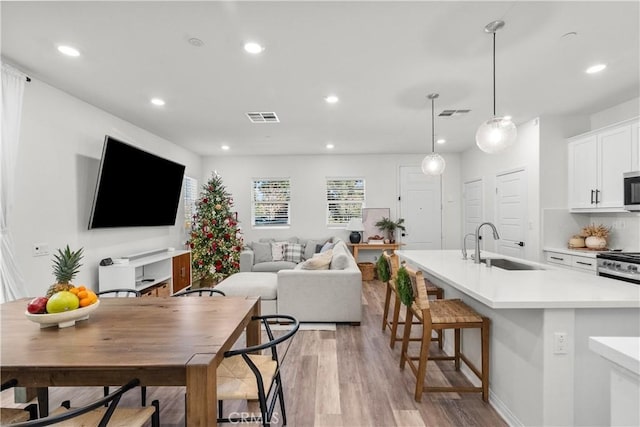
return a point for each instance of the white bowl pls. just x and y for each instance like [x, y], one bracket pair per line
[64, 319]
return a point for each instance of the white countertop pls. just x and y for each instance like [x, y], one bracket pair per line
[498, 288]
[585, 253]
[623, 351]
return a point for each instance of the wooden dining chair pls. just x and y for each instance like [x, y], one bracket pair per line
[124, 293]
[247, 374]
[14, 415]
[96, 414]
[439, 315]
[200, 292]
[393, 264]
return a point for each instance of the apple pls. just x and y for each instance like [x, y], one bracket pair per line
[38, 305]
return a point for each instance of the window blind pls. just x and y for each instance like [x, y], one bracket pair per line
[190, 194]
[345, 199]
[270, 202]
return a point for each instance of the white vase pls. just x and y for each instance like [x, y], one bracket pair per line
[594, 242]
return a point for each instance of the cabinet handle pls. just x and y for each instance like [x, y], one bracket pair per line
[597, 192]
[592, 191]
[557, 258]
[584, 263]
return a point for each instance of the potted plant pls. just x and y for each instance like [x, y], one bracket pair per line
[595, 236]
[389, 226]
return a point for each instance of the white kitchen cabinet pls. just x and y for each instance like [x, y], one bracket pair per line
[585, 264]
[597, 161]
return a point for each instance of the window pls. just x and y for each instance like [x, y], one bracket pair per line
[190, 195]
[345, 200]
[270, 199]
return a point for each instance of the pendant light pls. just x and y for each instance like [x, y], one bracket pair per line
[433, 164]
[497, 133]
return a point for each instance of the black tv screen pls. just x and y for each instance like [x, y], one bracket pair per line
[135, 188]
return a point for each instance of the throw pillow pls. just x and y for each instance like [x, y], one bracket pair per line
[310, 247]
[293, 252]
[319, 262]
[261, 252]
[326, 247]
[339, 262]
[277, 250]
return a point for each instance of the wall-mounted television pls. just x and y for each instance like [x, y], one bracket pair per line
[135, 188]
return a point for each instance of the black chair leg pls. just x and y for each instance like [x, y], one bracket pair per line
[155, 419]
[219, 408]
[143, 395]
[106, 393]
[281, 397]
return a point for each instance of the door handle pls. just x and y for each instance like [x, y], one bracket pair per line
[592, 191]
[520, 244]
[403, 234]
[597, 192]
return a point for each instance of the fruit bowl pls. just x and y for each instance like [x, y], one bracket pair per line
[64, 319]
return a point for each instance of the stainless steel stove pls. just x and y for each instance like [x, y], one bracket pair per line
[620, 265]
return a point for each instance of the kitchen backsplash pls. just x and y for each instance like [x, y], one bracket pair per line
[559, 225]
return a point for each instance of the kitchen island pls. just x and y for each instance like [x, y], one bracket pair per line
[542, 372]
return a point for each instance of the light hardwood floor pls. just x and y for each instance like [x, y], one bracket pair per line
[344, 378]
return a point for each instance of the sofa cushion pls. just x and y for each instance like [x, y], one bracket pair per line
[327, 246]
[293, 252]
[277, 251]
[261, 252]
[263, 285]
[339, 261]
[310, 247]
[318, 262]
[273, 266]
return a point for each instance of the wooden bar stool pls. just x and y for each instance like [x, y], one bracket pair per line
[439, 315]
[432, 290]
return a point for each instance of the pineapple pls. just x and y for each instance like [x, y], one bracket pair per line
[66, 265]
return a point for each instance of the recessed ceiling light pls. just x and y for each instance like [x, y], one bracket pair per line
[68, 50]
[253, 48]
[225, 147]
[441, 141]
[331, 99]
[330, 146]
[157, 101]
[595, 68]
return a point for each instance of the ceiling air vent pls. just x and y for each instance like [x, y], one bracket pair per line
[453, 113]
[269, 117]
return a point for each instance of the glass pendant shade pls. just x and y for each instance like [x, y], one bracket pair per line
[433, 164]
[496, 134]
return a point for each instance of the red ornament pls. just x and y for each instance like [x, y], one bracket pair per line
[205, 200]
[209, 235]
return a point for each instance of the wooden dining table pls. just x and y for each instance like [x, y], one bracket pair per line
[161, 341]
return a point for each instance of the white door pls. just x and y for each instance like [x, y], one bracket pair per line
[511, 213]
[472, 208]
[421, 208]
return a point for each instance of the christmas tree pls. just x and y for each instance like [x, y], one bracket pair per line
[216, 239]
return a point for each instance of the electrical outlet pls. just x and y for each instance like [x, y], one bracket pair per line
[560, 345]
[40, 249]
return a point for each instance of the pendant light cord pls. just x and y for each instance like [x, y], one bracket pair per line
[494, 74]
[433, 120]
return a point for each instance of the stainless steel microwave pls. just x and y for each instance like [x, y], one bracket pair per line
[632, 191]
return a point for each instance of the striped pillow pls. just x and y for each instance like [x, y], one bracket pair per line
[293, 252]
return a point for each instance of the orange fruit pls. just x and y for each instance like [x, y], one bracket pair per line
[88, 299]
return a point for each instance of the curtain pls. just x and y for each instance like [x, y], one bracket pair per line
[11, 93]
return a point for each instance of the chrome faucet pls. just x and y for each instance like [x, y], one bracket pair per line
[464, 244]
[476, 257]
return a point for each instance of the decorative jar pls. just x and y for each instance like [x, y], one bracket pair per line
[595, 242]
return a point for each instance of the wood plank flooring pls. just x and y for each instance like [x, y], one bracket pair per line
[344, 378]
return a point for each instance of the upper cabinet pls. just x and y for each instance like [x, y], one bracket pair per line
[597, 161]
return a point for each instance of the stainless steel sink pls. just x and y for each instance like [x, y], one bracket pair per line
[510, 265]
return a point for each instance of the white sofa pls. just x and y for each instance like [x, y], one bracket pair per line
[331, 295]
[257, 256]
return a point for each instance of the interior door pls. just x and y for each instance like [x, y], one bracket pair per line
[511, 213]
[421, 208]
[472, 208]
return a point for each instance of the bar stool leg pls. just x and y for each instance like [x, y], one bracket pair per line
[387, 300]
[457, 348]
[394, 322]
[422, 362]
[405, 340]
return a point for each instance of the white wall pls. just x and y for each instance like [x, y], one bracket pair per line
[615, 114]
[308, 173]
[523, 154]
[60, 147]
